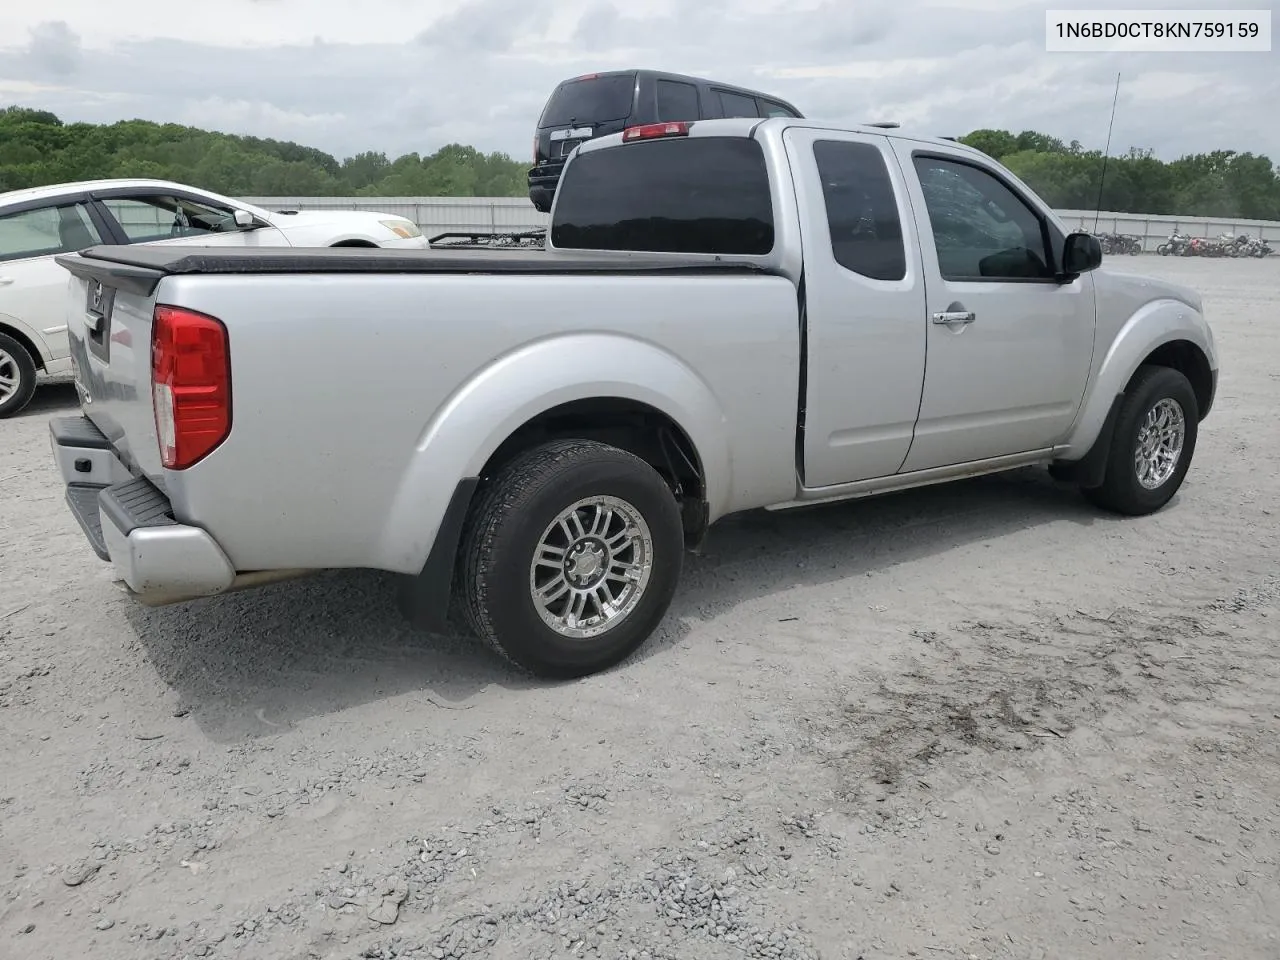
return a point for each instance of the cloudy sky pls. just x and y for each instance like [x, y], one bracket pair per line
[404, 75]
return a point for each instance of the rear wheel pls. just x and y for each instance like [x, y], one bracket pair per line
[1154, 440]
[571, 558]
[17, 376]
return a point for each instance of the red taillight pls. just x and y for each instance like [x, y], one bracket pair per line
[652, 131]
[190, 385]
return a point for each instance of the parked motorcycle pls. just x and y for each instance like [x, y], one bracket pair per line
[1117, 243]
[1175, 246]
[1247, 246]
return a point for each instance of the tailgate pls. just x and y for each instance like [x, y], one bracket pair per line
[109, 310]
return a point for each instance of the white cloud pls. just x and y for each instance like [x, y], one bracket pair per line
[412, 75]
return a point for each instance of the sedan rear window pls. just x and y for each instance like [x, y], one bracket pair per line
[590, 100]
[687, 195]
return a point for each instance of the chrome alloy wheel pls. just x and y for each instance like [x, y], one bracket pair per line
[10, 376]
[591, 566]
[1159, 446]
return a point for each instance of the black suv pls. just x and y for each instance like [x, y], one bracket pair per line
[602, 103]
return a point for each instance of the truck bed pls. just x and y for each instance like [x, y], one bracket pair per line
[366, 383]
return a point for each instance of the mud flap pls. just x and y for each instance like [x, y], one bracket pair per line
[424, 598]
[1091, 469]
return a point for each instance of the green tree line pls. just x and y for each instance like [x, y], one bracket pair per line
[1222, 183]
[37, 148]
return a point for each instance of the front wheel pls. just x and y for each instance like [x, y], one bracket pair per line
[1154, 440]
[571, 558]
[17, 376]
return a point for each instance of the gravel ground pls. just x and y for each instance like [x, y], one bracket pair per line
[975, 721]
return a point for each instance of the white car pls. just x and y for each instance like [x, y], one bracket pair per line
[39, 223]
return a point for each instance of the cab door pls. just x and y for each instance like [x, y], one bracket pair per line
[1009, 345]
[864, 294]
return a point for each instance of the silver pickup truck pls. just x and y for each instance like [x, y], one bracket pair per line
[729, 315]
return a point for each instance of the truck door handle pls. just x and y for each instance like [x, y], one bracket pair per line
[950, 317]
[5, 281]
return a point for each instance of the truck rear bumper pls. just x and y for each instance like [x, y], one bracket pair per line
[129, 522]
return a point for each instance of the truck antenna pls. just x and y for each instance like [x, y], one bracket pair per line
[1106, 152]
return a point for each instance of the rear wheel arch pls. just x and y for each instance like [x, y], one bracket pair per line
[630, 425]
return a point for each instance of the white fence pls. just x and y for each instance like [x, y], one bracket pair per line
[1154, 229]
[499, 214]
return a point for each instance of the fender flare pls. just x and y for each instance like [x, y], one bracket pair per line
[520, 385]
[1152, 326]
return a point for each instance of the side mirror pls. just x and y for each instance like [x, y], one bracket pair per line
[245, 220]
[1081, 253]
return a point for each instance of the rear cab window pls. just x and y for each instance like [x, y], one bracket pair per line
[590, 100]
[686, 195]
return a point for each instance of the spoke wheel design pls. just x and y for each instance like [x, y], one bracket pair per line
[1159, 446]
[591, 567]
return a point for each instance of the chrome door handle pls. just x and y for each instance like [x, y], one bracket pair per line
[950, 317]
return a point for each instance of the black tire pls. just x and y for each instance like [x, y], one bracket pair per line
[506, 527]
[20, 365]
[1163, 249]
[1121, 492]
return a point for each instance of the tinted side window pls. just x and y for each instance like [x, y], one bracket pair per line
[677, 101]
[981, 228]
[769, 108]
[45, 231]
[862, 212]
[687, 195]
[735, 105]
[150, 218]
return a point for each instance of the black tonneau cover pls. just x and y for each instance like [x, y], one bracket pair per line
[140, 267]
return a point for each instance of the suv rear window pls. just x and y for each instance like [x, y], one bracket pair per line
[695, 195]
[592, 100]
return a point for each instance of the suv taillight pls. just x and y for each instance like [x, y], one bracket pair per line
[190, 385]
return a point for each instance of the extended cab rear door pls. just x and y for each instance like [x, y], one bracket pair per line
[1009, 347]
[865, 302]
